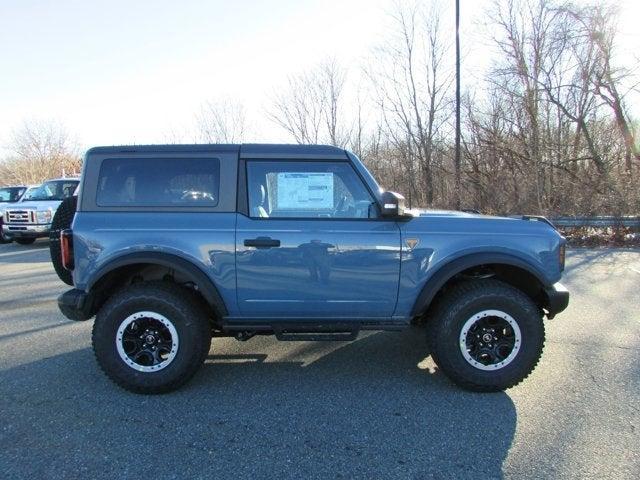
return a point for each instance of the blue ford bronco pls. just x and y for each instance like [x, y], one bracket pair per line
[173, 245]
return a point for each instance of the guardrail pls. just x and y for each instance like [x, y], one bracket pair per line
[604, 221]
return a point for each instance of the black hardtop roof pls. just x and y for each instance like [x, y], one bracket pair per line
[245, 150]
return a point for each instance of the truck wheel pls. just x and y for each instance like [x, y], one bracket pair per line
[61, 220]
[4, 238]
[151, 337]
[486, 336]
[25, 241]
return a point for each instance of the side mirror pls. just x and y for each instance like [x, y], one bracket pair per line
[392, 205]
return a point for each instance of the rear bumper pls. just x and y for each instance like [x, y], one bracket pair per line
[557, 299]
[76, 305]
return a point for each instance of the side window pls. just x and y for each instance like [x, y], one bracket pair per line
[307, 190]
[68, 188]
[158, 182]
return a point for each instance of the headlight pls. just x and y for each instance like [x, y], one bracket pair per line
[44, 216]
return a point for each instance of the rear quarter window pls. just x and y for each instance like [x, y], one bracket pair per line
[158, 182]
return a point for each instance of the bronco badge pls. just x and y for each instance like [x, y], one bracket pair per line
[411, 243]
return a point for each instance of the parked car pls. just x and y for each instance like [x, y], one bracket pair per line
[173, 245]
[9, 195]
[31, 218]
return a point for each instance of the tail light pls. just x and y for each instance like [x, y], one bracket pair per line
[561, 254]
[66, 248]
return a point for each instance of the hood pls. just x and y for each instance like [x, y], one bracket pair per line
[457, 221]
[423, 212]
[37, 205]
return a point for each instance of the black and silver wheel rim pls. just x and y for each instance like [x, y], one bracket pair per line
[147, 341]
[490, 340]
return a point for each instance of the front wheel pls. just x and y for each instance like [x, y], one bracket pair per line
[486, 335]
[4, 238]
[151, 337]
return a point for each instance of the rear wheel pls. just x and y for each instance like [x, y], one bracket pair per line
[25, 241]
[61, 221]
[151, 337]
[486, 335]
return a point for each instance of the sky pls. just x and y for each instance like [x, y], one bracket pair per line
[138, 71]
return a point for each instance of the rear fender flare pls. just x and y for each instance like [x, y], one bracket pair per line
[194, 273]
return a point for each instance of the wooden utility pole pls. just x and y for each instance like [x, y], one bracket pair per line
[457, 159]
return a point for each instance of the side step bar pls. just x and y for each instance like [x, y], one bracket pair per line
[307, 329]
[296, 334]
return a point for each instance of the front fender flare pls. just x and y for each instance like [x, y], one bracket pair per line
[445, 272]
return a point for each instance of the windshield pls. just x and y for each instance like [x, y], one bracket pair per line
[30, 191]
[54, 190]
[11, 194]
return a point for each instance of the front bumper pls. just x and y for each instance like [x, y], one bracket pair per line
[557, 299]
[76, 305]
[26, 231]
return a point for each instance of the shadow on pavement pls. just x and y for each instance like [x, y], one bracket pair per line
[13, 253]
[32, 330]
[607, 259]
[364, 409]
[580, 258]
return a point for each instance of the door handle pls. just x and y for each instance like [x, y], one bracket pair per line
[261, 242]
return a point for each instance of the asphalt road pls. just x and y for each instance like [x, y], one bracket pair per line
[373, 408]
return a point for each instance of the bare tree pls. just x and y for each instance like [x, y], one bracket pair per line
[310, 108]
[557, 132]
[331, 78]
[222, 122]
[598, 23]
[39, 150]
[412, 85]
[523, 40]
[567, 72]
[549, 130]
[298, 109]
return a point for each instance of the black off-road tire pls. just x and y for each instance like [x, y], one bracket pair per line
[25, 241]
[181, 307]
[61, 220]
[461, 303]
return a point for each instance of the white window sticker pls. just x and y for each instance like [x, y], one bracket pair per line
[305, 191]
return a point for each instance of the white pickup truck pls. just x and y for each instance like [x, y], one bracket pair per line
[31, 218]
[9, 196]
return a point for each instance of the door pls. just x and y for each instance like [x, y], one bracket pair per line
[312, 244]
